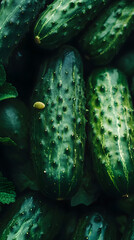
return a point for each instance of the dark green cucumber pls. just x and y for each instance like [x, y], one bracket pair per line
[95, 225]
[111, 130]
[109, 31]
[58, 124]
[31, 217]
[62, 20]
[14, 122]
[15, 19]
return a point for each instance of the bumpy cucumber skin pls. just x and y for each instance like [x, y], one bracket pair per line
[95, 226]
[62, 20]
[111, 135]
[31, 217]
[104, 38]
[15, 19]
[58, 130]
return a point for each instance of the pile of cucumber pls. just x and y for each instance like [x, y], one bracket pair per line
[66, 119]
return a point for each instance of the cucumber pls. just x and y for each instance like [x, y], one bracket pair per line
[62, 20]
[15, 20]
[104, 38]
[95, 225]
[111, 130]
[31, 217]
[58, 124]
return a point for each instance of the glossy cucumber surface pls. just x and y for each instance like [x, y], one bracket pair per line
[104, 38]
[95, 226]
[58, 124]
[111, 130]
[31, 217]
[15, 20]
[64, 19]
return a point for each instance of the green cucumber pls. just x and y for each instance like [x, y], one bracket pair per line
[31, 217]
[58, 124]
[62, 20]
[111, 130]
[95, 225]
[15, 19]
[109, 31]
